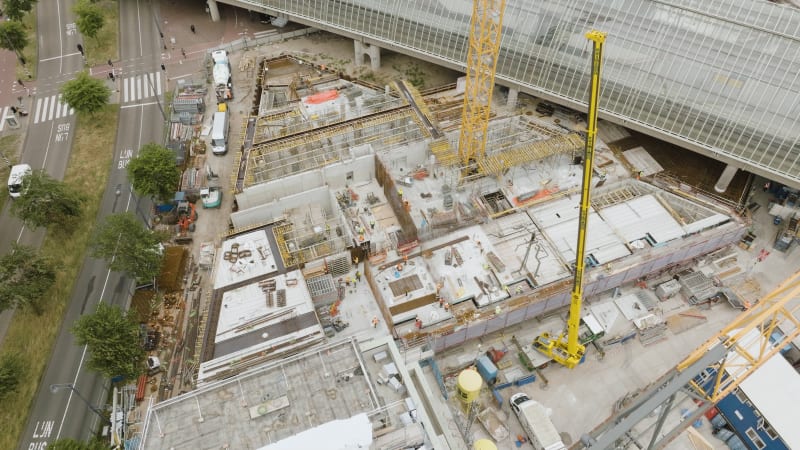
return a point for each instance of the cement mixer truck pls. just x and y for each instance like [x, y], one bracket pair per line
[221, 72]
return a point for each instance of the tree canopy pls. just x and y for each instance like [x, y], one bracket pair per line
[16, 9]
[114, 341]
[89, 18]
[128, 246]
[153, 172]
[13, 35]
[47, 201]
[85, 94]
[12, 367]
[25, 277]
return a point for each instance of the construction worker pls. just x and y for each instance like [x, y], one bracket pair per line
[375, 322]
[358, 276]
[400, 193]
[328, 229]
[446, 306]
[372, 224]
[418, 323]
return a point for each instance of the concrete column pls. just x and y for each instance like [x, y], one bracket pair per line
[373, 51]
[213, 10]
[725, 179]
[359, 50]
[512, 98]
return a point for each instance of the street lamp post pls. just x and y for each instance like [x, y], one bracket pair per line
[57, 387]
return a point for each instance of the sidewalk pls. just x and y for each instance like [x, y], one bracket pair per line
[177, 18]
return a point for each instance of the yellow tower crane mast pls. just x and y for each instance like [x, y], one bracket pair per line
[484, 46]
[569, 351]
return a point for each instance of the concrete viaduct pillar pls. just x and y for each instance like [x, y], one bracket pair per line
[511, 101]
[373, 51]
[725, 179]
[213, 10]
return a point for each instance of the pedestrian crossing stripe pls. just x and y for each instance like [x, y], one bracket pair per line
[50, 108]
[140, 87]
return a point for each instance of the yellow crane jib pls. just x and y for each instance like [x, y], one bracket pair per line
[485, 35]
[567, 350]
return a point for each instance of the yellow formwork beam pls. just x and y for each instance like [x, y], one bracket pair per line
[498, 162]
[444, 153]
[280, 231]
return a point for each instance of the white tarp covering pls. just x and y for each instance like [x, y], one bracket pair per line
[560, 220]
[347, 434]
[704, 223]
[641, 217]
[641, 160]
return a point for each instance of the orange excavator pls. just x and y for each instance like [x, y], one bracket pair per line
[186, 217]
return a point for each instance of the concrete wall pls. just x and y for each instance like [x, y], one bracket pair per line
[651, 262]
[269, 212]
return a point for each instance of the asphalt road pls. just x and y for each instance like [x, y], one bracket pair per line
[49, 140]
[67, 413]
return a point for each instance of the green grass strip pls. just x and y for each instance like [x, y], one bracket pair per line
[33, 336]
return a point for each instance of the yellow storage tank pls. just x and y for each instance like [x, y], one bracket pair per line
[484, 444]
[469, 385]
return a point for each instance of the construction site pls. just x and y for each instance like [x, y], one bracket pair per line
[401, 265]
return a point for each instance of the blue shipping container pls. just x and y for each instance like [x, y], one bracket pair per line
[487, 369]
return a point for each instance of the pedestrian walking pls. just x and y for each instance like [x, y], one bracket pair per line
[375, 322]
[183, 52]
[19, 82]
[191, 27]
[110, 63]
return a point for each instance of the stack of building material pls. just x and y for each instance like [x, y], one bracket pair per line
[668, 289]
[646, 299]
[651, 329]
[339, 265]
[267, 287]
[697, 287]
[495, 262]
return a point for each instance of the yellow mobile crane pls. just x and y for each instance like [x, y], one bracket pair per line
[569, 351]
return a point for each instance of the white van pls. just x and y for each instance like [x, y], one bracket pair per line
[536, 423]
[18, 172]
[219, 133]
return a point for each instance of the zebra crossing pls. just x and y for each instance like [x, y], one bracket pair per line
[141, 87]
[50, 108]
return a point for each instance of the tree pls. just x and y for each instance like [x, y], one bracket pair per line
[12, 367]
[85, 94]
[16, 9]
[113, 338]
[89, 18]
[13, 35]
[47, 201]
[24, 279]
[153, 172]
[128, 246]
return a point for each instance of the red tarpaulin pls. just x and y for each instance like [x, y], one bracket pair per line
[322, 97]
